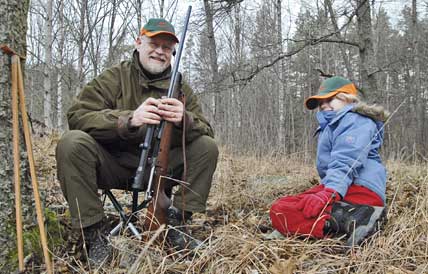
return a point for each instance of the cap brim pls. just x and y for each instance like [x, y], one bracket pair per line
[154, 33]
[313, 101]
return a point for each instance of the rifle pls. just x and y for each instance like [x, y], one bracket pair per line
[157, 142]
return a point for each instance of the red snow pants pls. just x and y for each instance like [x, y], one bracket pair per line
[288, 220]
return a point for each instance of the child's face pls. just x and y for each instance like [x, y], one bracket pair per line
[332, 104]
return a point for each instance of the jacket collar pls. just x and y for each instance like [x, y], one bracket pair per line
[342, 113]
[330, 117]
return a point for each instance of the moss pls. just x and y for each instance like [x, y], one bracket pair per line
[32, 243]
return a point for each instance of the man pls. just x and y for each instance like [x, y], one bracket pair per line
[108, 121]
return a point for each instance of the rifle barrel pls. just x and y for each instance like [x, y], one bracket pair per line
[178, 55]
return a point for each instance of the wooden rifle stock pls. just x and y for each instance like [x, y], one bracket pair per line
[157, 208]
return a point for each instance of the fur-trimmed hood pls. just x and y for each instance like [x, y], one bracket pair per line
[375, 112]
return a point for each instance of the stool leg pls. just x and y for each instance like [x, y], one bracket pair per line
[123, 218]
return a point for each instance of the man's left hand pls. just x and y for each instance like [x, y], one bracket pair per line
[171, 110]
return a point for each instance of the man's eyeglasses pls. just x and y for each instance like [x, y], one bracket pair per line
[165, 48]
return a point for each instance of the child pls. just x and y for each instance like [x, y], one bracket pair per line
[351, 197]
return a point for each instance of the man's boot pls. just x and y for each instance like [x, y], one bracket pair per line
[177, 235]
[97, 243]
[357, 222]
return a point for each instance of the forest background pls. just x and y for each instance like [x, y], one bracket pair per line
[252, 64]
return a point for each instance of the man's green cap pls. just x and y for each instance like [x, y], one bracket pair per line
[329, 88]
[156, 26]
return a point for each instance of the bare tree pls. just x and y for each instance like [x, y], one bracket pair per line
[240, 57]
[47, 102]
[13, 26]
[83, 6]
[117, 30]
[282, 87]
[209, 19]
[420, 101]
[342, 49]
[238, 52]
[138, 8]
[368, 64]
[61, 86]
[161, 8]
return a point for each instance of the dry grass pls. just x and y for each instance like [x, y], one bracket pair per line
[237, 220]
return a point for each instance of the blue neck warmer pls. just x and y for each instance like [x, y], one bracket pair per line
[325, 117]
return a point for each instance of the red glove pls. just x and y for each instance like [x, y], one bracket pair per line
[312, 204]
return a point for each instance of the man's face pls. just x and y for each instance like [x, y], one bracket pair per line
[155, 52]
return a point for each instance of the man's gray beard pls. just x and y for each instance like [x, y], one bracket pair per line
[155, 68]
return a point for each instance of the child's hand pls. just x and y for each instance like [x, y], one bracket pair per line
[312, 204]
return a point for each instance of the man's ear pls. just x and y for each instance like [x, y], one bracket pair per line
[138, 41]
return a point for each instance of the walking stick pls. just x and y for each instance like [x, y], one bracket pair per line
[16, 172]
[18, 78]
[33, 174]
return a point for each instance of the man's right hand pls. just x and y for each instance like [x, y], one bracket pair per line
[147, 113]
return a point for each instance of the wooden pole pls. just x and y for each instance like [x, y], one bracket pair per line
[16, 162]
[27, 135]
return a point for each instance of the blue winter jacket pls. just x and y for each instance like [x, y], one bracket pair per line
[348, 151]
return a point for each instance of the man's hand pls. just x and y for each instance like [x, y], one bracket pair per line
[152, 111]
[147, 113]
[312, 204]
[171, 110]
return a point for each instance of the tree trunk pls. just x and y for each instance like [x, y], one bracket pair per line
[420, 102]
[367, 60]
[61, 43]
[161, 8]
[345, 58]
[13, 29]
[47, 97]
[282, 87]
[212, 58]
[111, 33]
[81, 41]
[138, 10]
[236, 93]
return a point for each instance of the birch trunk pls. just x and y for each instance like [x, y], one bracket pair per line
[281, 88]
[47, 97]
[61, 43]
[236, 94]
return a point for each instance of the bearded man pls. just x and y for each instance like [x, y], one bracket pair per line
[108, 121]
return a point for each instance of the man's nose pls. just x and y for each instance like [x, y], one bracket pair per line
[160, 50]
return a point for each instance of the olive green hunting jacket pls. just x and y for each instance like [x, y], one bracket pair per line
[105, 105]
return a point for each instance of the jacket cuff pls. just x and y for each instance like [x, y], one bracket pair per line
[338, 188]
[187, 120]
[125, 130]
